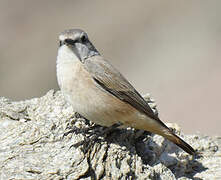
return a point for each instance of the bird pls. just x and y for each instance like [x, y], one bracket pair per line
[100, 93]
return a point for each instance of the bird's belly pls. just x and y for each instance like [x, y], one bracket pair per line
[99, 106]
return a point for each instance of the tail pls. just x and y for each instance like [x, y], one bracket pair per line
[179, 142]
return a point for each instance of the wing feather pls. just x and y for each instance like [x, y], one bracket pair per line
[110, 79]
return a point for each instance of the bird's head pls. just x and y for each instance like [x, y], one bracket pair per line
[78, 42]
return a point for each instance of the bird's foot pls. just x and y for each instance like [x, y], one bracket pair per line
[90, 140]
[86, 130]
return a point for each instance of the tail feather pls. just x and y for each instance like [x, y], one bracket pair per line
[181, 143]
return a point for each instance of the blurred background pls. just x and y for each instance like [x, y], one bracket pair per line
[168, 48]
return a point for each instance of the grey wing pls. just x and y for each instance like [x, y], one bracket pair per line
[110, 79]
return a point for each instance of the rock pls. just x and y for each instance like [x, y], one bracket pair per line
[33, 146]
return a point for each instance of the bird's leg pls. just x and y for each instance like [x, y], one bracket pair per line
[89, 141]
[85, 130]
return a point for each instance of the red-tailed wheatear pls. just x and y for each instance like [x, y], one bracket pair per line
[100, 93]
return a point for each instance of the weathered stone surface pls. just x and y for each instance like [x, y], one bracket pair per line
[33, 147]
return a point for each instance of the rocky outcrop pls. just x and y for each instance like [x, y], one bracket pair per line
[33, 146]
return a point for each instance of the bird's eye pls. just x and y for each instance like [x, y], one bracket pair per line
[83, 38]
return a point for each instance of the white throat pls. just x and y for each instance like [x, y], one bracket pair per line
[66, 55]
[66, 65]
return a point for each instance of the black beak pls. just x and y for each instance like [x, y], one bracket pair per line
[70, 42]
[67, 42]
